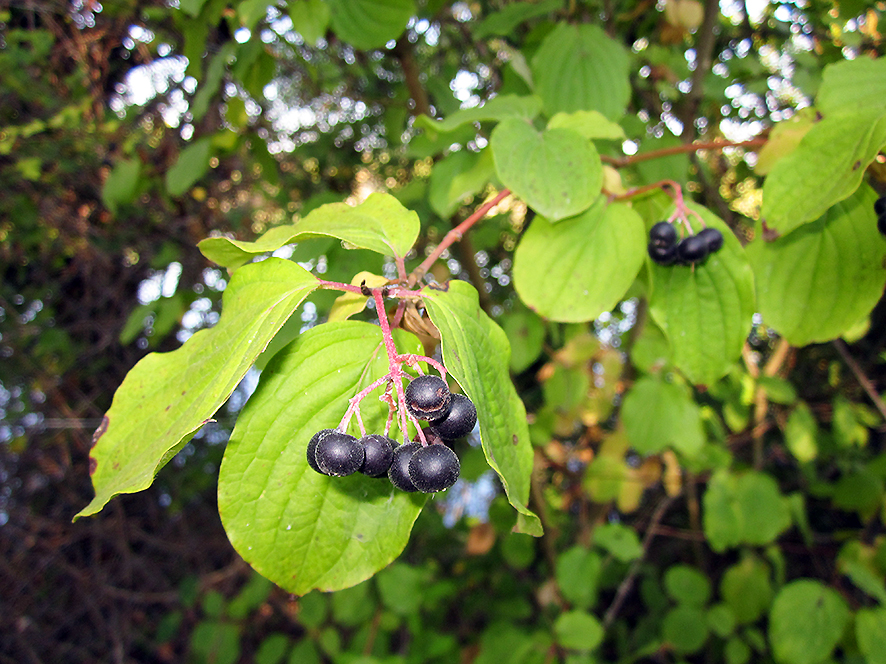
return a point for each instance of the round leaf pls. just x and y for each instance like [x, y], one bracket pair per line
[298, 528]
[818, 281]
[687, 585]
[685, 628]
[576, 269]
[806, 622]
[705, 311]
[557, 172]
[578, 630]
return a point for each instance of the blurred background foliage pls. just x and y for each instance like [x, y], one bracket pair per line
[131, 129]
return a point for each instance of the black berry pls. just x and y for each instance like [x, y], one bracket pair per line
[312, 448]
[662, 255]
[378, 452]
[880, 206]
[338, 454]
[433, 468]
[459, 421]
[713, 238]
[881, 223]
[398, 473]
[428, 398]
[663, 234]
[692, 249]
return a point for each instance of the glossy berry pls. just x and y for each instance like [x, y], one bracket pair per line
[662, 255]
[433, 468]
[338, 454]
[663, 234]
[459, 422]
[378, 452]
[713, 238]
[692, 249]
[428, 398]
[880, 206]
[398, 473]
[312, 448]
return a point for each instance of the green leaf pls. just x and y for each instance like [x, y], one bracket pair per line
[401, 588]
[380, 224]
[705, 311]
[826, 167]
[526, 336]
[505, 21]
[476, 353]
[657, 414]
[298, 528]
[496, 109]
[576, 269]
[818, 281]
[214, 642]
[310, 18]
[687, 585]
[870, 632]
[619, 540]
[167, 397]
[191, 165]
[806, 622]
[457, 177]
[592, 125]
[578, 573]
[556, 171]
[121, 186]
[852, 85]
[746, 588]
[684, 627]
[580, 68]
[743, 508]
[368, 24]
[801, 433]
[578, 630]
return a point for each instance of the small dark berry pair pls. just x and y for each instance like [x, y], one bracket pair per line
[665, 249]
[425, 468]
[331, 452]
[451, 416]
[880, 210]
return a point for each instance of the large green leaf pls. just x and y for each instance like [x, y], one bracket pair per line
[826, 167]
[380, 224]
[743, 508]
[582, 266]
[497, 108]
[818, 281]
[367, 24]
[167, 397]
[806, 622]
[705, 311]
[301, 529]
[580, 68]
[556, 171]
[310, 18]
[852, 85]
[657, 414]
[476, 352]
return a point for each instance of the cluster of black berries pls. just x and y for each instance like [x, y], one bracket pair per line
[412, 466]
[880, 209]
[665, 249]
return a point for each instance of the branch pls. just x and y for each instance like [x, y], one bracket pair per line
[453, 236]
[620, 162]
[863, 380]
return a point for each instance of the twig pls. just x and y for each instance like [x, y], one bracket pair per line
[620, 162]
[625, 586]
[862, 379]
[454, 235]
